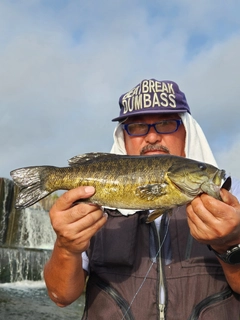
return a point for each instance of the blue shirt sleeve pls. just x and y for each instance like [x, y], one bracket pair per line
[235, 189]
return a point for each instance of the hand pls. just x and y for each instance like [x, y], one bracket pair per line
[75, 225]
[215, 222]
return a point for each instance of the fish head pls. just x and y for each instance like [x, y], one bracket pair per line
[193, 178]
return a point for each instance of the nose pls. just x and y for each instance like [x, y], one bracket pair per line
[152, 136]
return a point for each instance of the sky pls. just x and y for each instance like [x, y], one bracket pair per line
[64, 65]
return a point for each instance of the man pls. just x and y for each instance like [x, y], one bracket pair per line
[177, 267]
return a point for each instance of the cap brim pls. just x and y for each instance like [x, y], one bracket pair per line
[143, 112]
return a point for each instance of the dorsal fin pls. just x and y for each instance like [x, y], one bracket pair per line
[89, 157]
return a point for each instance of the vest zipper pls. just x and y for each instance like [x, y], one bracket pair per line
[162, 311]
[162, 288]
[163, 234]
[120, 301]
[209, 301]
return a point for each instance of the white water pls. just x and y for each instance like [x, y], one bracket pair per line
[7, 187]
[35, 229]
[23, 285]
[19, 264]
[24, 260]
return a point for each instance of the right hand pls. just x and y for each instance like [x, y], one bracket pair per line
[75, 225]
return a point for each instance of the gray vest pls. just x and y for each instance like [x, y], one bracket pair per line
[124, 281]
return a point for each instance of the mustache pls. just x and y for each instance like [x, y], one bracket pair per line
[156, 147]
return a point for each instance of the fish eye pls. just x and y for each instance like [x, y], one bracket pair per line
[202, 166]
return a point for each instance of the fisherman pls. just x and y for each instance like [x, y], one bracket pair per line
[183, 265]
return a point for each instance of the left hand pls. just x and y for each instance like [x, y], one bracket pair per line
[215, 222]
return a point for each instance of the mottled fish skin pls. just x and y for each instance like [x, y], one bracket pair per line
[128, 182]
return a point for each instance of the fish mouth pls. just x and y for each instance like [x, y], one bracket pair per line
[227, 184]
[219, 177]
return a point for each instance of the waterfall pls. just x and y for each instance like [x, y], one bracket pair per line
[22, 264]
[26, 238]
[6, 195]
[34, 229]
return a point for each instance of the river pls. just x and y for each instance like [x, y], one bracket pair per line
[28, 300]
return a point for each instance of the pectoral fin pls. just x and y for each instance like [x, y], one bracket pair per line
[150, 191]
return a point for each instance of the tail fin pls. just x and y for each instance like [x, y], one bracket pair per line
[31, 185]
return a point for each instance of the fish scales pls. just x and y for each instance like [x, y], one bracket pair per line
[128, 182]
[122, 180]
[115, 179]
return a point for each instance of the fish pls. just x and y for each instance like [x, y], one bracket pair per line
[156, 182]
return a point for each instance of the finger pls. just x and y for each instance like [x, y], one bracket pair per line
[210, 219]
[87, 234]
[221, 210]
[196, 221]
[201, 228]
[228, 198]
[199, 210]
[210, 209]
[76, 239]
[66, 200]
[83, 230]
[83, 210]
[90, 219]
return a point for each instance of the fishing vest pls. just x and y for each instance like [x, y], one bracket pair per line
[125, 272]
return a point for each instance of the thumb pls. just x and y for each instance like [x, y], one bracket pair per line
[228, 198]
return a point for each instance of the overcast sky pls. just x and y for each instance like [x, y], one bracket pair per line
[64, 64]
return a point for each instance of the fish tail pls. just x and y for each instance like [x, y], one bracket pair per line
[31, 183]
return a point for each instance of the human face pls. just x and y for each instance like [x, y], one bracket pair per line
[155, 143]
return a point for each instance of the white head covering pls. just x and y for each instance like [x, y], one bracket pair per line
[196, 145]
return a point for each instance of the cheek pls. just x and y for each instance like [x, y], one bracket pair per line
[178, 149]
[132, 145]
[177, 143]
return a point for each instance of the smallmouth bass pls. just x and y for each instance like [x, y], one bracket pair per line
[157, 183]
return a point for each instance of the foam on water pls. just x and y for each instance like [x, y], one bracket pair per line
[23, 285]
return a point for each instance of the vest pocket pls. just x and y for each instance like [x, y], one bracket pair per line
[211, 301]
[105, 302]
[115, 243]
[119, 300]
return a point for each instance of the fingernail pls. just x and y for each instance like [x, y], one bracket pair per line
[89, 189]
[105, 215]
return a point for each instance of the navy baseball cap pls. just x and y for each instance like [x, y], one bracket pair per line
[152, 97]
